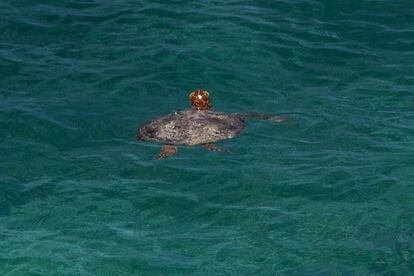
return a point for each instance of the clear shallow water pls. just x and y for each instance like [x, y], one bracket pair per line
[329, 192]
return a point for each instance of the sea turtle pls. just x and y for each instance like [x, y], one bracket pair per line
[196, 126]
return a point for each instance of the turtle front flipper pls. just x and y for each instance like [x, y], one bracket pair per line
[277, 119]
[261, 116]
[211, 147]
[167, 151]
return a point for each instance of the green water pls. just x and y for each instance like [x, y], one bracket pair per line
[331, 192]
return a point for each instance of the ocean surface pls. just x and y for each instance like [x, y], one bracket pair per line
[328, 192]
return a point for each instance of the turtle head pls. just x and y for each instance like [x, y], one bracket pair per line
[199, 100]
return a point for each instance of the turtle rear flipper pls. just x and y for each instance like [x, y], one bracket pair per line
[167, 151]
[211, 147]
[214, 147]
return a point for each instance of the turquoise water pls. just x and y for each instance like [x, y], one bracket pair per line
[330, 192]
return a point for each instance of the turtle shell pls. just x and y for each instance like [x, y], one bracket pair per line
[192, 127]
